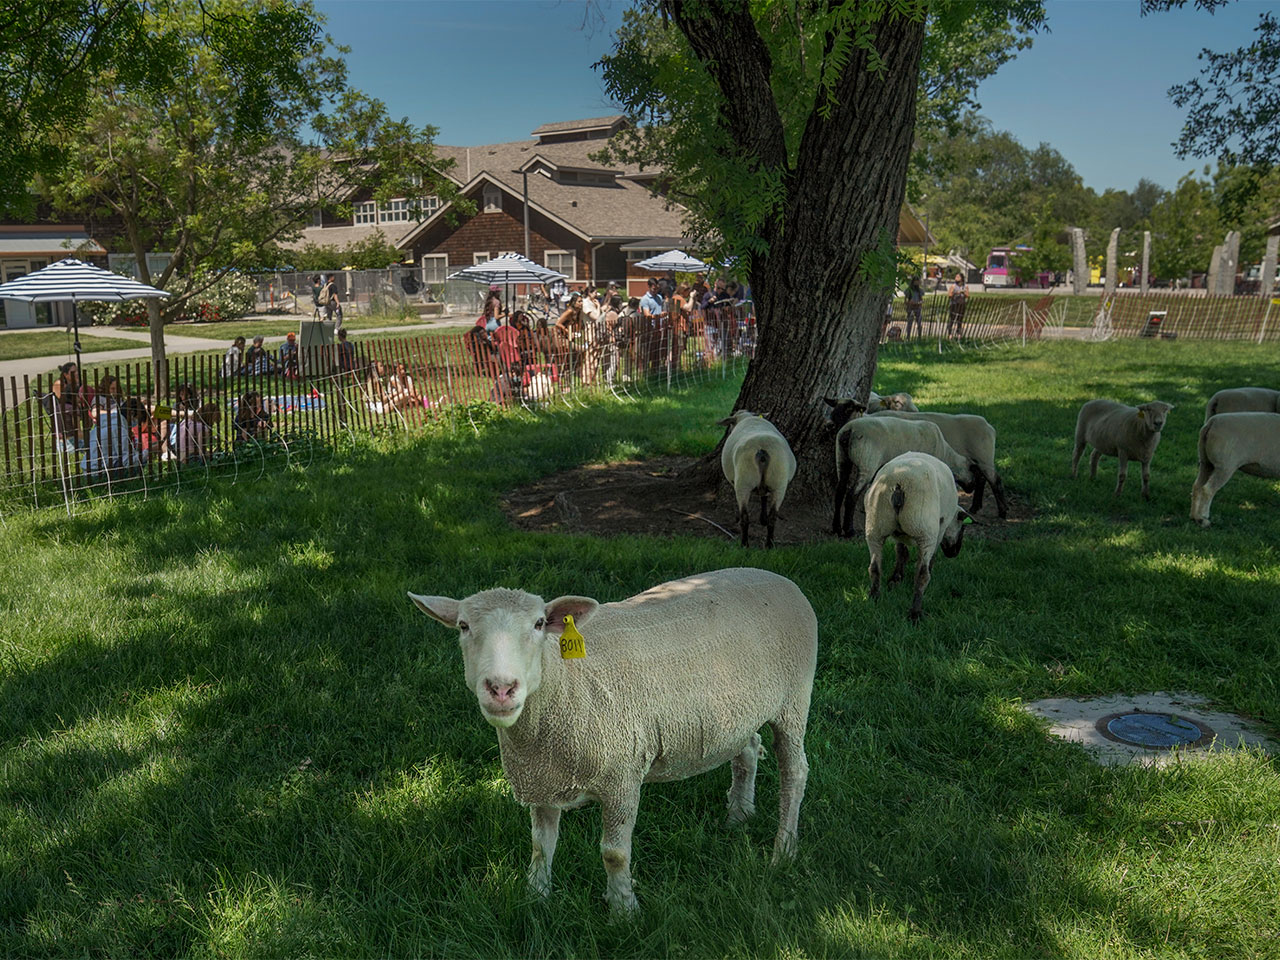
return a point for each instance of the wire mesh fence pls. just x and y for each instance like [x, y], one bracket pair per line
[66, 441]
[1170, 315]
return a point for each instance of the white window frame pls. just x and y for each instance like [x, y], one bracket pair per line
[364, 213]
[481, 257]
[317, 218]
[440, 262]
[572, 272]
[492, 198]
[394, 211]
[428, 206]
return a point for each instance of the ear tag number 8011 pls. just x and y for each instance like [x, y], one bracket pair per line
[572, 644]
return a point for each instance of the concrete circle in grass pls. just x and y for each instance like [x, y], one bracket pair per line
[1154, 731]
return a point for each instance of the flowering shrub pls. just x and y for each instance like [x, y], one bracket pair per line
[228, 298]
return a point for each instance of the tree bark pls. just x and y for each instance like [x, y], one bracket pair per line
[818, 318]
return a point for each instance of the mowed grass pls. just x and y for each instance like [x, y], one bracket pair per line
[49, 343]
[227, 732]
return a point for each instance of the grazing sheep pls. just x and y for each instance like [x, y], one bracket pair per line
[1128, 433]
[974, 438]
[756, 456]
[675, 682]
[1230, 442]
[1242, 400]
[913, 499]
[864, 445]
[894, 401]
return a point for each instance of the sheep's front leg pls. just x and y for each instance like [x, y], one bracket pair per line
[980, 481]
[1075, 457]
[619, 815]
[546, 831]
[1093, 464]
[1146, 479]
[742, 792]
[1121, 473]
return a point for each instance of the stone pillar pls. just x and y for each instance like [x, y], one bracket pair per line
[1230, 263]
[1079, 262]
[1215, 271]
[1109, 286]
[1269, 265]
[1146, 261]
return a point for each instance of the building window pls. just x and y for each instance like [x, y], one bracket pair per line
[317, 218]
[482, 257]
[428, 206]
[492, 199]
[435, 267]
[366, 212]
[393, 211]
[564, 262]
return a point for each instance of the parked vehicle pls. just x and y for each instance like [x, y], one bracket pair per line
[1001, 270]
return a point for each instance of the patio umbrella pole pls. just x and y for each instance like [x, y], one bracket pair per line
[75, 334]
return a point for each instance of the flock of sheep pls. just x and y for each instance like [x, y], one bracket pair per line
[590, 701]
[903, 465]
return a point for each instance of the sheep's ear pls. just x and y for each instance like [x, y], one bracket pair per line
[726, 422]
[1142, 414]
[856, 405]
[580, 608]
[444, 609]
[830, 401]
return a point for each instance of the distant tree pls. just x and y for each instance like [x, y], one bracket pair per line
[1185, 228]
[371, 253]
[216, 173]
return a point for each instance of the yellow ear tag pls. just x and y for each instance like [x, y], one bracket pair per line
[572, 644]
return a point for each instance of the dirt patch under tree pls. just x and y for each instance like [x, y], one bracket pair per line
[649, 498]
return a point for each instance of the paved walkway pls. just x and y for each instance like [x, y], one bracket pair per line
[174, 346]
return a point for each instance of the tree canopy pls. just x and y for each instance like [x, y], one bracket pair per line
[216, 172]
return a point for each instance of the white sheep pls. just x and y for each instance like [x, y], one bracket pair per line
[866, 444]
[973, 438]
[893, 401]
[675, 682]
[756, 456]
[1117, 430]
[913, 500]
[1229, 442]
[1242, 400]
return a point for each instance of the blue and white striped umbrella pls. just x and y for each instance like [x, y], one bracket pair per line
[76, 281]
[508, 268]
[674, 260]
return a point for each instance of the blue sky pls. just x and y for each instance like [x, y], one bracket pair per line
[487, 71]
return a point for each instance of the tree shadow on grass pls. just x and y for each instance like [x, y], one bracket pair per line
[324, 769]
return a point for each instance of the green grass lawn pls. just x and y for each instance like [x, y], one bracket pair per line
[227, 732]
[48, 343]
[230, 329]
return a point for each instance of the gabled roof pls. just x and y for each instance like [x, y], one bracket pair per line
[619, 208]
[591, 125]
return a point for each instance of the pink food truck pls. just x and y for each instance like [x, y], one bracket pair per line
[1000, 270]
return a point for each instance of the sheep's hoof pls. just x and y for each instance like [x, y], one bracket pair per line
[739, 814]
[915, 615]
[626, 908]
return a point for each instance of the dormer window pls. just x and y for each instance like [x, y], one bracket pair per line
[492, 199]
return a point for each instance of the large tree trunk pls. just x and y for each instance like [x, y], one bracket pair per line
[818, 315]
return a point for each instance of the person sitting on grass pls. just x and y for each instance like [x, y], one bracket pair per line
[110, 447]
[346, 353]
[233, 360]
[376, 390]
[257, 361]
[289, 355]
[253, 420]
[400, 389]
[193, 436]
[143, 430]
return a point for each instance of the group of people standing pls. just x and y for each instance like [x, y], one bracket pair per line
[913, 301]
